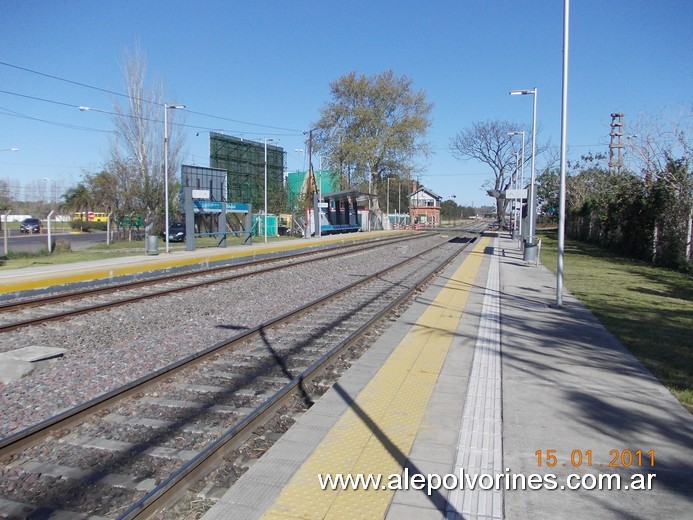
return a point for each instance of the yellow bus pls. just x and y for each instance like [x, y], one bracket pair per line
[91, 216]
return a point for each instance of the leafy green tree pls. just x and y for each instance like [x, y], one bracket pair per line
[449, 210]
[373, 128]
[548, 183]
[672, 206]
[78, 199]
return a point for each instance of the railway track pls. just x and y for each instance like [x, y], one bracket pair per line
[34, 311]
[131, 451]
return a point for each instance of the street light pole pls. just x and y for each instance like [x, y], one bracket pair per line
[301, 150]
[166, 108]
[50, 189]
[522, 172]
[564, 137]
[320, 179]
[532, 207]
[267, 140]
[388, 202]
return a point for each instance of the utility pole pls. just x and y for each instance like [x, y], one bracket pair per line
[616, 145]
[311, 188]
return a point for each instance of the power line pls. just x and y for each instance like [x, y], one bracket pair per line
[12, 113]
[51, 76]
[71, 81]
[298, 132]
[182, 125]
[39, 99]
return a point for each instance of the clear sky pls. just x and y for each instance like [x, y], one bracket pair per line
[264, 69]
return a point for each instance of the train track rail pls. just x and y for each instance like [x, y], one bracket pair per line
[34, 311]
[131, 451]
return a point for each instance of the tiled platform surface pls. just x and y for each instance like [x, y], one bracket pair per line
[519, 376]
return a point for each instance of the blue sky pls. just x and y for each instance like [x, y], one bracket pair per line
[268, 66]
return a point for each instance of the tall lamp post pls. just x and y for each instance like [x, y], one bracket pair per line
[302, 151]
[166, 109]
[267, 140]
[51, 188]
[564, 138]
[532, 202]
[522, 170]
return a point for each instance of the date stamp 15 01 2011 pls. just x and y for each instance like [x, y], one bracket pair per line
[585, 458]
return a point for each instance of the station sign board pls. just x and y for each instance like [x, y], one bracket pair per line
[516, 194]
[212, 206]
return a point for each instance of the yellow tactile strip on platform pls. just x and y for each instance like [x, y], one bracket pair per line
[61, 274]
[376, 433]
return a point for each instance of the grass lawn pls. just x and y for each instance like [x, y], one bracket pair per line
[650, 310]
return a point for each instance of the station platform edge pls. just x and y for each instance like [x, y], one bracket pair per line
[13, 281]
[476, 377]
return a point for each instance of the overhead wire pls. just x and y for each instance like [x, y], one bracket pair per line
[120, 94]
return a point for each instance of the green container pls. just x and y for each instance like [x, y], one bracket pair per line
[259, 225]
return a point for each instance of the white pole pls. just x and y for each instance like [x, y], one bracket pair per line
[48, 234]
[388, 203]
[522, 178]
[564, 139]
[533, 207]
[166, 176]
[166, 107]
[5, 231]
[265, 226]
[530, 198]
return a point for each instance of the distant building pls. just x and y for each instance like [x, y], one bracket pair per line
[424, 206]
[244, 160]
[326, 180]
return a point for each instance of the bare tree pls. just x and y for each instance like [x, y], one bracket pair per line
[137, 146]
[661, 151]
[491, 143]
[654, 140]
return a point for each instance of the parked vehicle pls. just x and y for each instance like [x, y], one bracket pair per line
[30, 225]
[176, 232]
[91, 216]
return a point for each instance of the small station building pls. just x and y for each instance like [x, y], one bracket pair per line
[424, 207]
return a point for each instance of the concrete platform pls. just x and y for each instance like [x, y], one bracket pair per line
[480, 382]
[42, 277]
[511, 400]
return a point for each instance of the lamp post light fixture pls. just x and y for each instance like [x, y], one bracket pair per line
[166, 109]
[51, 188]
[532, 201]
[522, 170]
[267, 140]
[83, 108]
[301, 150]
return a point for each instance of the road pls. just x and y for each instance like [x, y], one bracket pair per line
[23, 243]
